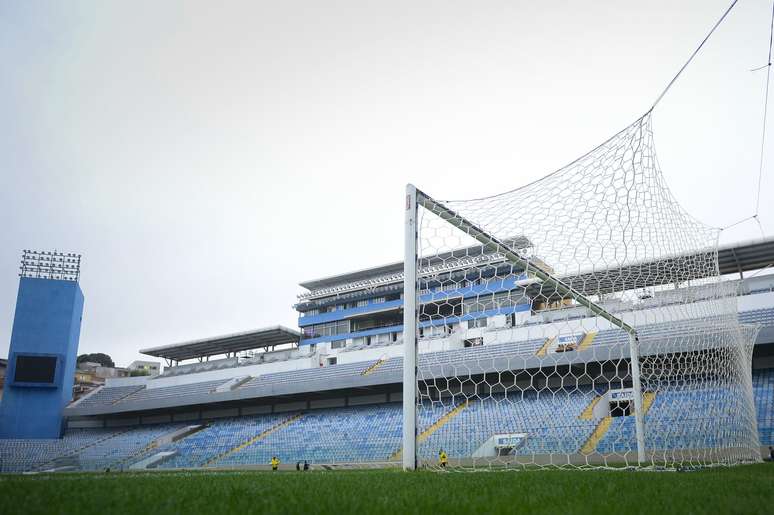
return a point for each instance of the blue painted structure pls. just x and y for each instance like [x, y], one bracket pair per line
[493, 286]
[451, 319]
[47, 324]
[435, 294]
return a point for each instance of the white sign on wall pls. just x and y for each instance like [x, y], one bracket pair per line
[568, 339]
[626, 394]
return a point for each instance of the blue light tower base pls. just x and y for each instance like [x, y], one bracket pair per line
[41, 359]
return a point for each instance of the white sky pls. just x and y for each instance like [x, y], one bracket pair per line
[205, 157]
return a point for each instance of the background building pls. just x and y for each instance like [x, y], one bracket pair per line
[151, 368]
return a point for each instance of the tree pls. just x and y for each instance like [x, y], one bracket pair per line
[98, 357]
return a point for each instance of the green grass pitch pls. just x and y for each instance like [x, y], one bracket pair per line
[747, 489]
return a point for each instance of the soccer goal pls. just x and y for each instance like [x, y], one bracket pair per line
[578, 321]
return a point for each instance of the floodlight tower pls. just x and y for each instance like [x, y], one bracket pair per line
[44, 346]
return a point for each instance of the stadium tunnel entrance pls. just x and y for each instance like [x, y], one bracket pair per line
[621, 408]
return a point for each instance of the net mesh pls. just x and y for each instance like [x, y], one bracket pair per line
[529, 306]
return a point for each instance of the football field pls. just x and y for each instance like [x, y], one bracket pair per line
[745, 489]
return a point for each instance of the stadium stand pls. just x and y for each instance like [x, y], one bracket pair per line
[109, 395]
[219, 437]
[172, 391]
[329, 372]
[763, 387]
[335, 435]
[26, 455]
[114, 452]
[199, 367]
[764, 316]
[611, 337]
[678, 416]
[551, 422]
[372, 433]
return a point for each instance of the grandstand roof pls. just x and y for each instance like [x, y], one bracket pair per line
[357, 275]
[258, 338]
[732, 258]
[744, 256]
[518, 242]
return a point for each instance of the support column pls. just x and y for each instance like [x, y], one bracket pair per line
[410, 331]
[639, 415]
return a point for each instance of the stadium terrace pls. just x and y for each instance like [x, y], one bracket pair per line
[330, 393]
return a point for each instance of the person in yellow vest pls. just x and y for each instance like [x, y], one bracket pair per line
[442, 458]
[274, 463]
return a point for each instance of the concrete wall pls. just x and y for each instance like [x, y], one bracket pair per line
[157, 419]
[220, 413]
[368, 399]
[290, 406]
[327, 403]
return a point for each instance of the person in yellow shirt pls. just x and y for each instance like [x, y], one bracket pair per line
[274, 463]
[442, 458]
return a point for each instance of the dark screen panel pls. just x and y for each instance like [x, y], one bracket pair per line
[35, 369]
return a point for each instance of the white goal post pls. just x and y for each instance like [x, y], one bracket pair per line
[410, 332]
[557, 288]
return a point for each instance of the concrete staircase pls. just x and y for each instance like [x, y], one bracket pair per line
[153, 461]
[172, 436]
[231, 384]
[546, 345]
[596, 436]
[76, 452]
[587, 340]
[588, 411]
[379, 362]
[590, 446]
[116, 401]
[435, 426]
[254, 439]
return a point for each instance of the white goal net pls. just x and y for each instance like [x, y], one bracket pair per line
[576, 321]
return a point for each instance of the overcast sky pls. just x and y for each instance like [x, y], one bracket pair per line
[205, 157]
